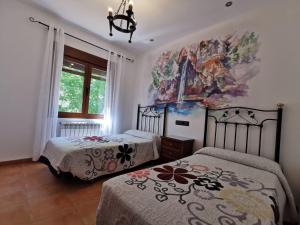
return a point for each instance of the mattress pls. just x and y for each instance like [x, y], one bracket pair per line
[90, 157]
[213, 186]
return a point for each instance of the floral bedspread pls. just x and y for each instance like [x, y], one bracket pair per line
[198, 190]
[90, 157]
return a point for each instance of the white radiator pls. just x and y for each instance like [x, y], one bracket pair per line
[79, 128]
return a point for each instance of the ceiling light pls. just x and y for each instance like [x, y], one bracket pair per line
[228, 4]
[127, 20]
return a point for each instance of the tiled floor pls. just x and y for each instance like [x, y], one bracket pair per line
[31, 195]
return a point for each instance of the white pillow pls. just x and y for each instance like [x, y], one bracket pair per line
[241, 158]
[141, 134]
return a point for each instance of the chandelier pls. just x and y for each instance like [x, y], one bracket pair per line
[122, 22]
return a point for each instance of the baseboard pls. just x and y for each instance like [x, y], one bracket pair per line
[15, 161]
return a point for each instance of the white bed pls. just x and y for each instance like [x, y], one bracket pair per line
[213, 186]
[90, 157]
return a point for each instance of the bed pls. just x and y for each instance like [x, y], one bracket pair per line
[213, 186]
[90, 157]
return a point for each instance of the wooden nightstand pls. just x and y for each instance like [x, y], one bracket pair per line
[174, 147]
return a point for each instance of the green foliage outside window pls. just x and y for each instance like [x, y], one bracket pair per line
[97, 93]
[71, 94]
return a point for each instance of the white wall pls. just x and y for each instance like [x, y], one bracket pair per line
[277, 81]
[21, 54]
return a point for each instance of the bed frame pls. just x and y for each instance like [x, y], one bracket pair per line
[235, 117]
[149, 118]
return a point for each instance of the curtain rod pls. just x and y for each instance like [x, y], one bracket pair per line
[31, 19]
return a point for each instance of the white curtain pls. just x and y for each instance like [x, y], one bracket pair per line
[47, 111]
[112, 105]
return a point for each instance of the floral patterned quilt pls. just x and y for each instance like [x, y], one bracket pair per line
[212, 186]
[90, 157]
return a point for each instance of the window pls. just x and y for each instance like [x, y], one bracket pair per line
[82, 85]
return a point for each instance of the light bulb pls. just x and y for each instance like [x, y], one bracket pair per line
[130, 5]
[110, 11]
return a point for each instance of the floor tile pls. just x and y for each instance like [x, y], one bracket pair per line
[67, 219]
[14, 198]
[10, 170]
[57, 205]
[12, 187]
[87, 212]
[31, 195]
[15, 215]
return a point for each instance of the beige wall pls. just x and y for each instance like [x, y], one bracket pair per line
[277, 81]
[21, 55]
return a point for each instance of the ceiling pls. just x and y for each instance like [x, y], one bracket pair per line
[162, 20]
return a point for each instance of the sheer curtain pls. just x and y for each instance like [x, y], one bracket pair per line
[47, 111]
[112, 105]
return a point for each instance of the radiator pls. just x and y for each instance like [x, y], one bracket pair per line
[79, 129]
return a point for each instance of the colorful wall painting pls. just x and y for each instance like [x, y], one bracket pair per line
[210, 72]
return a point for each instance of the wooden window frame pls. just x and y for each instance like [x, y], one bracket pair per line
[90, 62]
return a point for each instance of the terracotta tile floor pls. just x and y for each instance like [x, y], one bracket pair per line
[31, 195]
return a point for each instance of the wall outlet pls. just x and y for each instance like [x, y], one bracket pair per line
[182, 123]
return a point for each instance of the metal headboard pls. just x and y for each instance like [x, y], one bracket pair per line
[236, 117]
[151, 118]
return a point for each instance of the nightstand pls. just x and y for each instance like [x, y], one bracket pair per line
[175, 147]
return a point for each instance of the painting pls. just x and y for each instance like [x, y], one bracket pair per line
[211, 72]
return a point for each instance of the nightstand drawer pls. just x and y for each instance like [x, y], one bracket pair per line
[173, 148]
[169, 155]
[176, 150]
[171, 144]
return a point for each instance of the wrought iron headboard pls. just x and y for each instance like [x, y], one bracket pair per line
[151, 118]
[243, 117]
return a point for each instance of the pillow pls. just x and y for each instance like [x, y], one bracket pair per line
[256, 162]
[141, 134]
[242, 158]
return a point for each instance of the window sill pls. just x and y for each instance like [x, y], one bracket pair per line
[79, 115]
